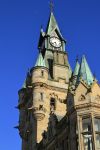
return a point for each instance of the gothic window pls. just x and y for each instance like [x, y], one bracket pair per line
[52, 104]
[50, 63]
[97, 132]
[87, 133]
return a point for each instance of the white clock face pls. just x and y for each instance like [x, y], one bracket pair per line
[54, 41]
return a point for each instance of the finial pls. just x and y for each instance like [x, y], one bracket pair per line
[51, 5]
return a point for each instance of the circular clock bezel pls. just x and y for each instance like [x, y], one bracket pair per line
[53, 44]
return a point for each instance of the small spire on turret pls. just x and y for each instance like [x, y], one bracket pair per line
[85, 72]
[40, 61]
[76, 70]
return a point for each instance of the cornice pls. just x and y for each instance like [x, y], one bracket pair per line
[41, 84]
[86, 105]
[63, 52]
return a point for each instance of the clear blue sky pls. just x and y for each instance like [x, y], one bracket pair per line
[20, 21]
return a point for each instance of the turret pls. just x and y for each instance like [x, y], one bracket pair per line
[39, 80]
[83, 108]
[52, 46]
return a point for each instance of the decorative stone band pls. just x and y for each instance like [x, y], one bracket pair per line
[83, 106]
[50, 87]
[87, 105]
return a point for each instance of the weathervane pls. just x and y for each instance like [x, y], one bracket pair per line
[51, 5]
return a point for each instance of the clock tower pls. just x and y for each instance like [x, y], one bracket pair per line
[45, 88]
[52, 46]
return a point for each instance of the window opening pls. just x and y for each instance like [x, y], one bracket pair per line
[87, 134]
[52, 104]
[50, 63]
[97, 132]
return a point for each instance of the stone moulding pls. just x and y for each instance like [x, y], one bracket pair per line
[49, 87]
[83, 106]
[87, 105]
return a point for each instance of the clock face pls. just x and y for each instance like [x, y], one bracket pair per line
[54, 41]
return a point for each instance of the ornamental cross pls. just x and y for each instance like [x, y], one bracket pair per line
[51, 5]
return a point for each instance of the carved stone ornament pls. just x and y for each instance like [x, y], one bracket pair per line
[39, 112]
[82, 98]
[53, 95]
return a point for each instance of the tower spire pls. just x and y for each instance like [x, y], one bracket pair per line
[51, 5]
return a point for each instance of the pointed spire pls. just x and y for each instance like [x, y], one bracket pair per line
[40, 61]
[52, 25]
[76, 70]
[85, 72]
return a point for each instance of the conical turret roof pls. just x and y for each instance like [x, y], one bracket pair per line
[85, 72]
[40, 61]
[52, 25]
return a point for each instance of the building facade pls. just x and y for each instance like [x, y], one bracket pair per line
[59, 109]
